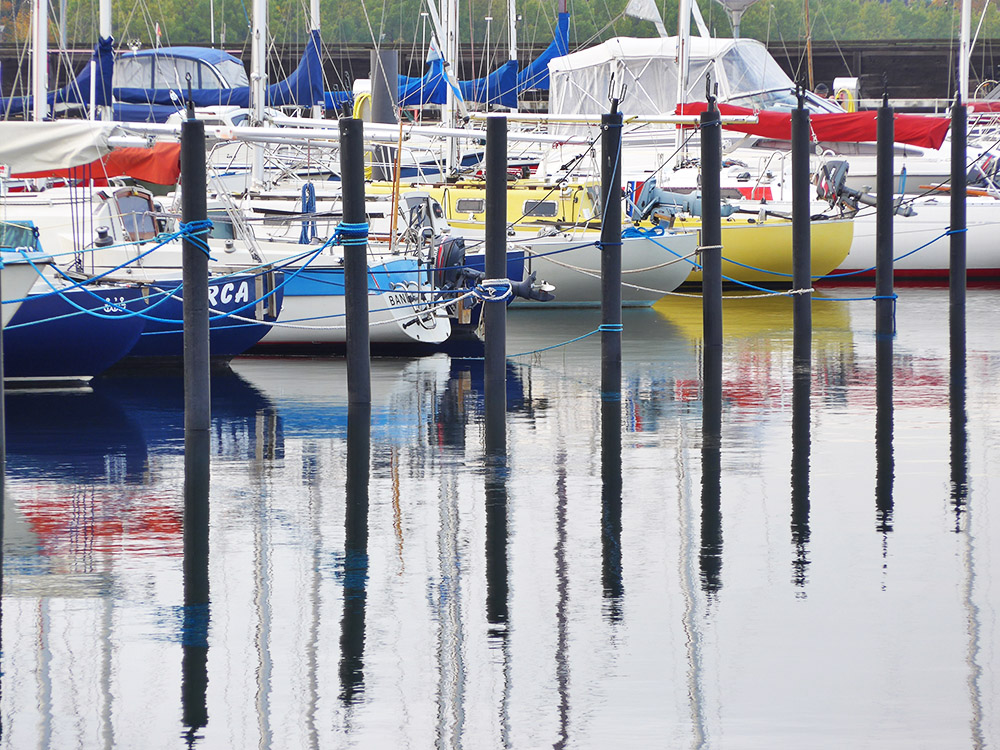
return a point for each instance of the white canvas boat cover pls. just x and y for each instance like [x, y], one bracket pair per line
[39, 146]
[648, 69]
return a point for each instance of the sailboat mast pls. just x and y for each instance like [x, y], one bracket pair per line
[258, 84]
[683, 40]
[39, 61]
[809, 46]
[317, 109]
[965, 34]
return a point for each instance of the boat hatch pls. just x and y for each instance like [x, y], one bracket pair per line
[137, 213]
[545, 209]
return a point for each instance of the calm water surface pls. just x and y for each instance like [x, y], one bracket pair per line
[830, 586]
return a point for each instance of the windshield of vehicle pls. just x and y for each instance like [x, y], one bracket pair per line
[784, 100]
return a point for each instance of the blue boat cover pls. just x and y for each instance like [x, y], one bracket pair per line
[78, 91]
[536, 74]
[500, 87]
[304, 87]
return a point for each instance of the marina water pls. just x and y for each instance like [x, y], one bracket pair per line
[399, 590]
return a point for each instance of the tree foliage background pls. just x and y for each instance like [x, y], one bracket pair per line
[401, 22]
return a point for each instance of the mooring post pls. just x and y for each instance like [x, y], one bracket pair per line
[801, 237]
[197, 423]
[957, 270]
[385, 68]
[197, 393]
[802, 337]
[885, 298]
[354, 229]
[956, 321]
[611, 252]
[495, 313]
[711, 224]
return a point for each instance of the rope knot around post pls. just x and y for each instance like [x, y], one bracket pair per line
[614, 327]
[196, 233]
[494, 290]
[351, 234]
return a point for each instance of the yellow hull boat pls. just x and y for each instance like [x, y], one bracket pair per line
[755, 251]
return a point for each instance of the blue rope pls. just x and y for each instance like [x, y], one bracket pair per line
[309, 209]
[192, 231]
[610, 327]
[351, 234]
[494, 290]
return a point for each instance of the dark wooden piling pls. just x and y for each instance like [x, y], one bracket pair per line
[957, 270]
[957, 315]
[495, 313]
[197, 391]
[711, 224]
[885, 302]
[355, 231]
[801, 236]
[611, 251]
[197, 423]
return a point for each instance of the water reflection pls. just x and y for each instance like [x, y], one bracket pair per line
[611, 505]
[885, 469]
[352, 630]
[197, 614]
[711, 472]
[801, 427]
[419, 595]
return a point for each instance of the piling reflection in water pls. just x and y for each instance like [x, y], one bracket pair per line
[885, 468]
[352, 632]
[801, 419]
[197, 607]
[611, 505]
[711, 471]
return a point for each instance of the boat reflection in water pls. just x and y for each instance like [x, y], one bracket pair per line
[632, 573]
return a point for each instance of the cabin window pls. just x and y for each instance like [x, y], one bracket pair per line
[222, 226]
[233, 74]
[171, 73]
[547, 209]
[470, 205]
[136, 213]
[133, 73]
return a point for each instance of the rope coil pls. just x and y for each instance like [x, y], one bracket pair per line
[195, 232]
[494, 290]
[351, 234]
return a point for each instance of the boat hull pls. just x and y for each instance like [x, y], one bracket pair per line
[761, 253]
[920, 246]
[71, 336]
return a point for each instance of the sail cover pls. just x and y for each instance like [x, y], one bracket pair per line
[536, 74]
[35, 146]
[78, 90]
[849, 127]
[304, 87]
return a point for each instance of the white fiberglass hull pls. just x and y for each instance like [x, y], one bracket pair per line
[18, 276]
[920, 243]
[651, 266]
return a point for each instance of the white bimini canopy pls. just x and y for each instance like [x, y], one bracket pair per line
[647, 67]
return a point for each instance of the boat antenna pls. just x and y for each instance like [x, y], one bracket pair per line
[885, 89]
[615, 99]
[190, 101]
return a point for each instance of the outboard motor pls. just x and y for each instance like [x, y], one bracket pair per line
[531, 289]
[664, 203]
[831, 186]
